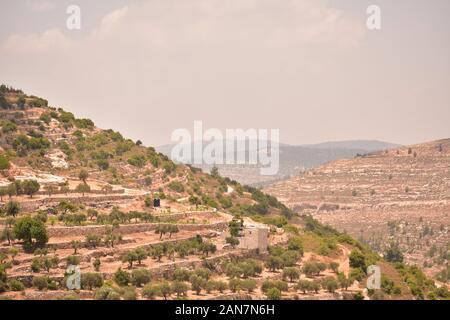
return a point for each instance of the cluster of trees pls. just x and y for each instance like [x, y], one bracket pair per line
[117, 216]
[280, 258]
[244, 269]
[43, 261]
[109, 238]
[158, 251]
[27, 187]
[31, 230]
[163, 229]
[23, 144]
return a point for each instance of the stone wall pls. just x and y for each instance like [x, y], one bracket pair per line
[62, 231]
[32, 205]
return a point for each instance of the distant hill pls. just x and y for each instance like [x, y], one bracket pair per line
[399, 195]
[368, 145]
[294, 159]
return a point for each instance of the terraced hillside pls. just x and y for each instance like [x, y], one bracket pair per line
[138, 226]
[400, 196]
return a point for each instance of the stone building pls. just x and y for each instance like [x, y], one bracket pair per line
[254, 236]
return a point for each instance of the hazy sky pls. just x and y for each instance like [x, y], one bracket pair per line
[308, 67]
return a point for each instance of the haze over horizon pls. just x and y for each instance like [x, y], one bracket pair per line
[309, 68]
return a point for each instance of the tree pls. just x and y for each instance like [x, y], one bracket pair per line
[129, 257]
[83, 175]
[83, 188]
[172, 229]
[13, 252]
[248, 284]
[343, 281]
[311, 268]
[3, 192]
[232, 241]
[96, 264]
[215, 171]
[207, 247]
[76, 244]
[92, 213]
[291, 273]
[194, 201]
[122, 278]
[157, 252]
[393, 253]
[234, 285]
[161, 230]
[141, 254]
[93, 240]
[304, 285]
[12, 208]
[150, 291]
[140, 277]
[330, 284]
[197, 283]
[11, 190]
[30, 187]
[50, 189]
[181, 274]
[29, 229]
[334, 266]
[8, 235]
[179, 288]
[165, 289]
[357, 260]
[296, 244]
[274, 263]
[64, 189]
[273, 294]
[4, 163]
[234, 226]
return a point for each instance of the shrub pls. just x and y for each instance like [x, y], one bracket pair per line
[280, 285]
[15, 285]
[176, 186]
[273, 294]
[4, 163]
[150, 291]
[357, 259]
[106, 292]
[40, 282]
[248, 284]
[291, 273]
[91, 280]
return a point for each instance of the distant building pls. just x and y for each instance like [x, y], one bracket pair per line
[254, 236]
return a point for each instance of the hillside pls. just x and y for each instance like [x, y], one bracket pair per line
[398, 196]
[293, 159]
[75, 195]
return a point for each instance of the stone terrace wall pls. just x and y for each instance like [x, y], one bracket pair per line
[32, 205]
[61, 231]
